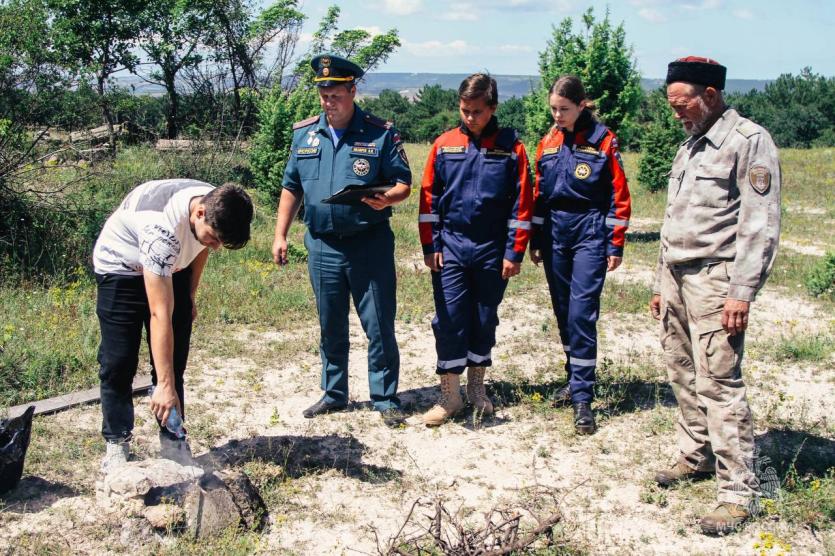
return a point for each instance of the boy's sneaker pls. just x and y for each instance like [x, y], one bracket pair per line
[115, 454]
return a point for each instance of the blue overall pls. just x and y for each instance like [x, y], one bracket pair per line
[350, 247]
[575, 198]
[477, 190]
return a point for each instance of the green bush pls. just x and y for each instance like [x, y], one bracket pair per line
[820, 279]
[271, 143]
[661, 137]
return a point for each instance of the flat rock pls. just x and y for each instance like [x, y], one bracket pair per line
[137, 478]
[221, 500]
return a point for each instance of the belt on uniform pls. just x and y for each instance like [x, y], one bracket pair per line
[352, 234]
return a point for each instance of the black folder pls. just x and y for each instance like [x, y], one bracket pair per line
[354, 193]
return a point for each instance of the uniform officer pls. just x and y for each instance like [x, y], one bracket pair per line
[718, 244]
[582, 212]
[476, 206]
[350, 247]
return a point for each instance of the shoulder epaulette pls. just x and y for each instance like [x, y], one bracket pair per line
[748, 129]
[379, 122]
[305, 123]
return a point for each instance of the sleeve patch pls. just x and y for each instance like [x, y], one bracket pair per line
[401, 150]
[760, 178]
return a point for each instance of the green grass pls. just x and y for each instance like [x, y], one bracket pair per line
[816, 348]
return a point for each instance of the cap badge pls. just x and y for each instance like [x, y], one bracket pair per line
[325, 61]
[326, 72]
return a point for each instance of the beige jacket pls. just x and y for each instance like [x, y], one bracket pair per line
[723, 202]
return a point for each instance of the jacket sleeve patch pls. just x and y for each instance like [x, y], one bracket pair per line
[760, 178]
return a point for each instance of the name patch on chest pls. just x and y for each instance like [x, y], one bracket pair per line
[587, 149]
[550, 150]
[364, 149]
[454, 150]
[497, 152]
[307, 151]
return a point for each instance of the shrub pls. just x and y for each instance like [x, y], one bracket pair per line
[820, 279]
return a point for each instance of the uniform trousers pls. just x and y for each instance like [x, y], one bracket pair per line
[358, 267]
[574, 256]
[123, 311]
[468, 290]
[714, 428]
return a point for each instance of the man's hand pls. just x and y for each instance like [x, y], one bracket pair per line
[509, 269]
[435, 261]
[655, 306]
[164, 398]
[735, 316]
[613, 262]
[280, 251]
[536, 256]
[378, 201]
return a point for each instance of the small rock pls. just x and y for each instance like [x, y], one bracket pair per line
[135, 532]
[165, 516]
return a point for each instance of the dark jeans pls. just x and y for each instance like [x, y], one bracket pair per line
[122, 308]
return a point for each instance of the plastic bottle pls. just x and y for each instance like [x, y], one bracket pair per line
[174, 424]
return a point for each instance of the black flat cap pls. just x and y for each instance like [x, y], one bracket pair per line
[698, 70]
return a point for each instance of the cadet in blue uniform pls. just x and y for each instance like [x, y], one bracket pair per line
[350, 247]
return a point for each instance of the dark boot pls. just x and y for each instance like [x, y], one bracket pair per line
[322, 407]
[562, 397]
[584, 418]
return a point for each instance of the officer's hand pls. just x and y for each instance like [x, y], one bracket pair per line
[735, 316]
[613, 262]
[378, 201]
[164, 399]
[655, 306]
[510, 269]
[536, 256]
[435, 261]
[280, 251]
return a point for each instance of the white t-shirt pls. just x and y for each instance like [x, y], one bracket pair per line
[150, 230]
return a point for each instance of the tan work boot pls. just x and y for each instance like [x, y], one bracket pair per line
[726, 518]
[476, 392]
[448, 404]
[680, 472]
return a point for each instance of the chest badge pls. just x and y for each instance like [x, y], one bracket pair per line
[582, 171]
[312, 138]
[361, 167]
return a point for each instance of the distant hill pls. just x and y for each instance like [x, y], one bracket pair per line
[408, 84]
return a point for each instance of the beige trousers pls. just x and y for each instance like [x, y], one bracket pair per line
[714, 428]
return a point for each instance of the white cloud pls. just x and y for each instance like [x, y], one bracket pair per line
[703, 5]
[428, 49]
[514, 48]
[372, 30]
[402, 7]
[743, 13]
[460, 11]
[652, 15]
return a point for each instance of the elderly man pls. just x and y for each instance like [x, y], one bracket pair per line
[718, 244]
[350, 247]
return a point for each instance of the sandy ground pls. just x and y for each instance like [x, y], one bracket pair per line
[375, 474]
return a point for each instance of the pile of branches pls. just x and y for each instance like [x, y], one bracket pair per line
[503, 530]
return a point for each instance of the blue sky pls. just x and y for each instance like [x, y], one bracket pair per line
[755, 40]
